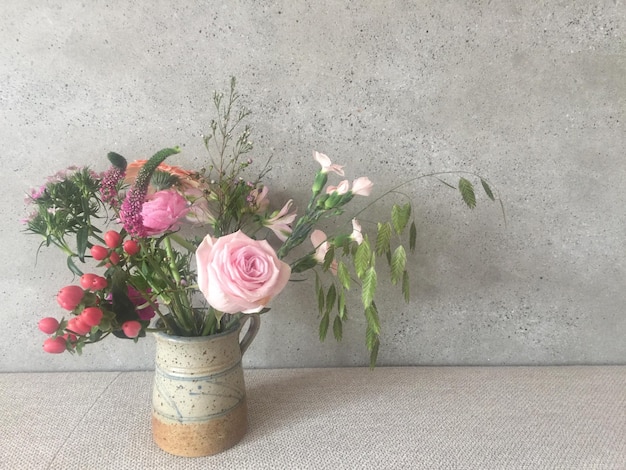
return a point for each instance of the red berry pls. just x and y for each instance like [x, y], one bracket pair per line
[131, 328]
[93, 282]
[71, 338]
[114, 258]
[69, 297]
[99, 252]
[91, 316]
[131, 247]
[112, 239]
[77, 325]
[48, 325]
[54, 345]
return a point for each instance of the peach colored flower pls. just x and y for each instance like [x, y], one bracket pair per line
[279, 222]
[319, 241]
[186, 179]
[327, 165]
[362, 186]
[342, 188]
[357, 236]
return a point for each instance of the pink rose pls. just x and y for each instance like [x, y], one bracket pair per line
[162, 211]
[239, 274]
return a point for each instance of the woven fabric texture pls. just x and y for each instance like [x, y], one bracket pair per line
[570, 417]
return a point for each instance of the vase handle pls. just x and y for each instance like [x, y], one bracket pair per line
[253, 329]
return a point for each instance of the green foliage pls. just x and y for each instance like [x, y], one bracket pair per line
[487, 189]
[383, 238]
[362, 259]
[405, 286]
[467, 192]
[400, 216]
[370, 280]
[338, 328]
[398, 262]
[412, 236]
[343, 275]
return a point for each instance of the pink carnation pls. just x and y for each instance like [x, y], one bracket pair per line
[162, 211]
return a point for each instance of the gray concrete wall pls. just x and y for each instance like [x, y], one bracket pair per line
[530, 94]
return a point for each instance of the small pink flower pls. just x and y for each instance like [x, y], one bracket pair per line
[362, 186]
[142, 307]
[258, 199]
[319, 241]
[342, 188]
[239, 274]
[357, 236]
[162, 212]
[279, 222]
[327, 165]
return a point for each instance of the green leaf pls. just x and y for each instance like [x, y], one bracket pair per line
[320, 294]
[467, 192]
[362, 258]
[324, 323]
[398, 263]
[117, 160]
[383, 238]
[374, 352]
[341, 305]
[369, 287]
[412, 236]
[81, 242]
[343, 275]
[337, 328]
[400, 216]
[329, 257]
[487, 189]
[372, 342]
[373, 322]
[303, 264]
[405, 286]
[331, 297]
[72, 266]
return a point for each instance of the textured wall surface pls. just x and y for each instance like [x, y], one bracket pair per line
[529, 94]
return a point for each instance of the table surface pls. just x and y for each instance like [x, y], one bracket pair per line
[569, 417]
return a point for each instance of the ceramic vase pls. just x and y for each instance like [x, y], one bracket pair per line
[199, 395]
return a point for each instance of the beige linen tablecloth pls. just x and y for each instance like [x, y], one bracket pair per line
[566, 417]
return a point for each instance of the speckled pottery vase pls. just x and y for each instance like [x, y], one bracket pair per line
[199, 395]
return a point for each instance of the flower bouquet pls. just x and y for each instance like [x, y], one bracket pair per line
[197, 250]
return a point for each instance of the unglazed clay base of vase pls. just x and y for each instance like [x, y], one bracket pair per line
[197, 440]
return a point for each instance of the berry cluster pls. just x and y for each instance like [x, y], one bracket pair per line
[90, 303]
